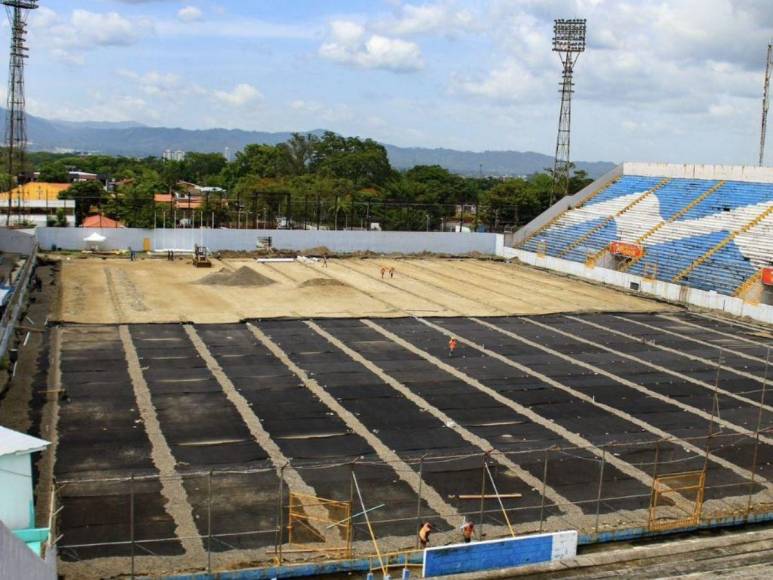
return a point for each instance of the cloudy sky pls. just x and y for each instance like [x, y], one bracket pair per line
[670, 80]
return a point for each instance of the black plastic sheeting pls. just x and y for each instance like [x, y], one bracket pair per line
[482, 415]
[307, 431]
[399, 423]
[101, 435]
[670, 419]
[205, 432]
[739, 449]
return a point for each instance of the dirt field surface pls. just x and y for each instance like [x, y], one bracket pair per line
[178, 444]
[116, 290]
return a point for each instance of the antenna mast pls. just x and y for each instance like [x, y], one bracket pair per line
[765, 99]
[16, 121]
[568, 42]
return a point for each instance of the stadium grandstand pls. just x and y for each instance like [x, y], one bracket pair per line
[705, 227]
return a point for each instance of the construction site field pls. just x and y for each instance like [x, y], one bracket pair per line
[189, 436]
[112, 290]
[179, 435]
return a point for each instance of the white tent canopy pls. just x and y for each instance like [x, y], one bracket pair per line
[95, 238]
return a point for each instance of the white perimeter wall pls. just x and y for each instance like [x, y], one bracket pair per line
[18, 561]
[223, 239]
[666, 290]
[751, 173]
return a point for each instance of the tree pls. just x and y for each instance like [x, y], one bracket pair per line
[297, 154]
[512, 202]
[578, 181]
[55, 172]
[87, 195]
[171, 173]
[198, 167]
[134, 203]
[257, 160]
[363, 161]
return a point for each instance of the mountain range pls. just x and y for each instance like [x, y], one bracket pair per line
[135, 139]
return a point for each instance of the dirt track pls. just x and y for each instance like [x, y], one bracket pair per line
[119, 291]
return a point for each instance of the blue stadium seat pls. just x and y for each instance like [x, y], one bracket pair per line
[679, 240]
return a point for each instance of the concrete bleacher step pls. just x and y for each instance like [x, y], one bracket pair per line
[557, 217]
[746, 227]
[611, 218]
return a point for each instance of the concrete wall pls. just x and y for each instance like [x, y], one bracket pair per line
[750, 173]
[666, 290]
[563, 204]
[16, 241]
[16, 501]
[18, 561]
[223, 239]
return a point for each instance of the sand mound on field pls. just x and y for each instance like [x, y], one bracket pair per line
[318, 282]
[244, 276]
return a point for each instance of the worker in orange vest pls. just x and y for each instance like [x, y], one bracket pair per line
[451, 346]
[468, 530]
[424, 532]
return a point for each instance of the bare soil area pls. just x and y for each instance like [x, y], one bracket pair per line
[115, 290]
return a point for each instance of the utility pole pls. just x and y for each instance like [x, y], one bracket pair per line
[568, 42]
[765, 99]
[16, 120]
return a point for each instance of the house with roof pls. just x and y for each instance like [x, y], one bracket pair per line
[38, 202]
[100, 221]
[17, 500]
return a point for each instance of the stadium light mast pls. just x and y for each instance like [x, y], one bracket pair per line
[16, 119]
[568, 42]
[765, 100]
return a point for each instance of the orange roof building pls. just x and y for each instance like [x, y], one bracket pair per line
[35, 191]
[100, 221]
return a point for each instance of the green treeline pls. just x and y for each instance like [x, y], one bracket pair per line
[328, 181]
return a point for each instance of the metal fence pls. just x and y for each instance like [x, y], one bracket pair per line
[13, 308]
[255, 517]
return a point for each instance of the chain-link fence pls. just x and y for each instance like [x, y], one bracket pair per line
[338, 510]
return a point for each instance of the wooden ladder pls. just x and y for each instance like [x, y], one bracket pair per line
[745, 228]
[598, 227]
[552, 221]
[711, 191]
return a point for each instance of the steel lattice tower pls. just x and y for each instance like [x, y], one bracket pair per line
[765, 99]
[16, 120]
[568, 42]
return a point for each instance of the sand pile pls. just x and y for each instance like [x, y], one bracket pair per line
[244, 276]
[317, 282]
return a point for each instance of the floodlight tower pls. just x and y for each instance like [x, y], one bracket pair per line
[765, 100]
[16, 121]
[568, 42]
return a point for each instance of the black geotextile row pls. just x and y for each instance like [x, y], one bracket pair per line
[595, 424]
[205, 432]
[707, 350]
[657, 413]
[306, 430]
[101, 435]
[399, 423]
[483, 416]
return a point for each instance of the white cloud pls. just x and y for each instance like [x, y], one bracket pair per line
[69, 38]
[349, 43]
[189, 14]
[155, 84]
[432, 18]
[242, 94]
